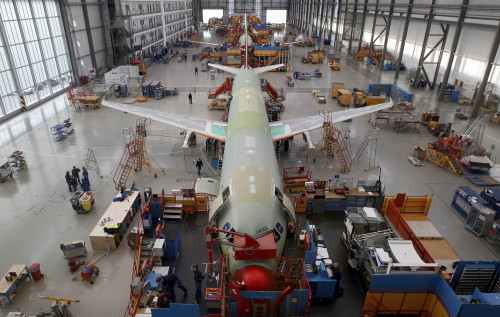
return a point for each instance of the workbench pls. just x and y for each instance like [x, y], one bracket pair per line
[119, 212]
[353, 198]
[9, 289]
[432, 240]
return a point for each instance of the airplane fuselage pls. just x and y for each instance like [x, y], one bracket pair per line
[245, 41]
[250, 170]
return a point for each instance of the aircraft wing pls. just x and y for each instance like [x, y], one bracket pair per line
[228, 69]
[212, 129]
[207, 43]
[263, 69]
[284, 129]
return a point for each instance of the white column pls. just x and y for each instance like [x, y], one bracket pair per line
[164, 31]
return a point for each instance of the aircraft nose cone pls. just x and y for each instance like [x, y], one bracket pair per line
[256, 278]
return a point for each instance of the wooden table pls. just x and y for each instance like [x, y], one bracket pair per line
[7, 288]
[118, 212]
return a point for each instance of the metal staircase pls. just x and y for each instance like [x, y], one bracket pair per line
[219, 154]
[225, 87]
[479, 122]
[292, 151]
[125, 166]
[135, 157]
[362, 147]
[276, 95]
[342, 151]
[474, 134]
[225, 116]
[334, 144]
[277, 150]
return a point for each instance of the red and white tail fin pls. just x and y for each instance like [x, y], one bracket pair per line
[246, 42]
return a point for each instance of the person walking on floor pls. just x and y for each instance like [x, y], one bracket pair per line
[75, 174]
[199, 165]
[196, 70]
[68, 180]
[74, 183]
[185, 58]
[198, 278]
[337, 274]
[190, 98]
[169, 281]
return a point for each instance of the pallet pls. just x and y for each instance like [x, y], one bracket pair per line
[129, 100]
[415, 161]
[482, 180]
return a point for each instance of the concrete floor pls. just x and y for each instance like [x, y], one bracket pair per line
[37, 214]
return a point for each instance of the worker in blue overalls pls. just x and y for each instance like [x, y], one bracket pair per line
[68, 180]
[74, 183]
[168, 282]
[85, 182]
[75, 172]
[85, 173]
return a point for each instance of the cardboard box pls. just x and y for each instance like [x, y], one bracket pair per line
[320, 98]
[419, 152]
[495, 117]
[315, 91]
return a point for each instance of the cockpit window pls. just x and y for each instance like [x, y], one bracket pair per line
[277, 232]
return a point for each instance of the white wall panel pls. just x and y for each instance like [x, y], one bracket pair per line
[98, 39]
[101, 59]
[76, 14]
[94, 16]
[475, 42]
[84, 49]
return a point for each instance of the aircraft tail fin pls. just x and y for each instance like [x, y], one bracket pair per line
[246, 44]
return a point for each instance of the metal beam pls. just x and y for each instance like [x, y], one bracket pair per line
[318, 26]
[337, 21]
[308, 15]
[89, 34]
[69, 43]
[387, 33]
[453, 49]
[362, 29]
[491, 59]
[344, 21]
[430, 18]
[331, 21]
[403, 39]
[443, 44]
[353, 26]
[373, 26]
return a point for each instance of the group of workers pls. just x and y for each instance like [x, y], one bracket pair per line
[73, 179]
[168, 282]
